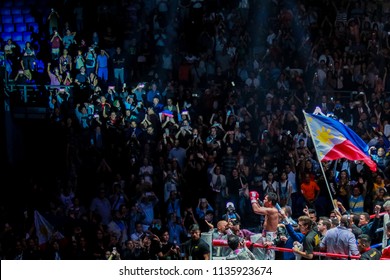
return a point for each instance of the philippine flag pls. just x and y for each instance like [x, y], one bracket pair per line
[334, 140]
[44, 230]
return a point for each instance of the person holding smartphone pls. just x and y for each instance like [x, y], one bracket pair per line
[139, 92]
[56, 42]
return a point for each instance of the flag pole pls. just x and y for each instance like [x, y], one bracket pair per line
[318, 158]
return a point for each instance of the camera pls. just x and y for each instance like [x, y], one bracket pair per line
[230, 210]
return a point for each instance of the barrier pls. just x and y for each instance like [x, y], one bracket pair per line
[208, 237]
[380, 215]
[223, 243]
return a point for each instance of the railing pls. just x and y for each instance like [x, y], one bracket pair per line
[25, 89]
[223, 243]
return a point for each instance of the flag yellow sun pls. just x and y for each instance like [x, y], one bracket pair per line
[44, 231]
[324, 136]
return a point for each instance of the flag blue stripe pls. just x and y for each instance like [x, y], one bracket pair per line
[343, 129]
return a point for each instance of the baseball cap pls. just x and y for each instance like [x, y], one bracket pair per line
[194, 227]
[230, 205]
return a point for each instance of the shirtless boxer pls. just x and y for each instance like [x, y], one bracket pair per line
[271, 214]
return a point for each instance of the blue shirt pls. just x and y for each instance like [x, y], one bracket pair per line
[340, 240]
[356, 204]
[102, 61]
[293, 236]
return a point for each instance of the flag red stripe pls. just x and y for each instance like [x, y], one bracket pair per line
[349, 151]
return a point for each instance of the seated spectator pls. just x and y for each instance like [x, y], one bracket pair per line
[29, 56]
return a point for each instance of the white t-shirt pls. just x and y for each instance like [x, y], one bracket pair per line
[291, 177]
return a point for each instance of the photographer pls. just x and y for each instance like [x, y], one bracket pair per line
[231, 215]
[240, 251]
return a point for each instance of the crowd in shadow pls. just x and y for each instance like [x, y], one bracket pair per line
[164, 114]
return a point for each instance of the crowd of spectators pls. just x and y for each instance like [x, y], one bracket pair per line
[170, 111]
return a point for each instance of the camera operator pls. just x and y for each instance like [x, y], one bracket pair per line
[231, 214]
[240, 251]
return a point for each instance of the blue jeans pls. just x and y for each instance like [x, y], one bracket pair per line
[119, 74]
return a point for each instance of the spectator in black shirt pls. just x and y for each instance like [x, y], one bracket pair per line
[366, 252]
[196, 248]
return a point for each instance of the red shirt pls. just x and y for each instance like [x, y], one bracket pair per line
[56, 43]
[309, 190]
[386, 253]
